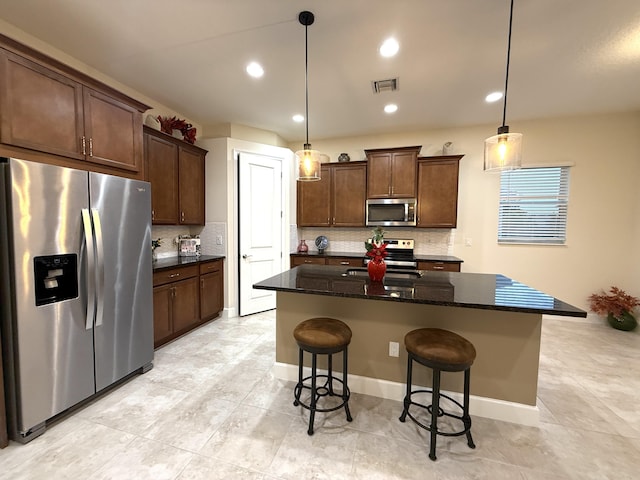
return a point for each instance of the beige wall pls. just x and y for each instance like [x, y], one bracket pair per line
[222, 199]
[603, 232]
[242, 132]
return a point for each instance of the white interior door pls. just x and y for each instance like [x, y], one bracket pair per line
[261, 229]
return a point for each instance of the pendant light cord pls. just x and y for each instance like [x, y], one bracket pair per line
[306, 81]
[506, 79]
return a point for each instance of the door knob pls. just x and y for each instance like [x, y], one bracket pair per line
[245, 256]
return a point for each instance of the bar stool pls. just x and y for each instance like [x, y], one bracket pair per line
[322, 336]
[442, 351]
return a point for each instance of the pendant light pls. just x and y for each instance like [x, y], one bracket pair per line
[308, 160]
[504, 150]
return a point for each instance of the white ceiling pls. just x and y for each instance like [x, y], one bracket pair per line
[568, 57]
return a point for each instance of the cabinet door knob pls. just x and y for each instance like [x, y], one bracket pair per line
[84, 145]
[344, 263]
[91, 147]
[245, 256]
[173, 275]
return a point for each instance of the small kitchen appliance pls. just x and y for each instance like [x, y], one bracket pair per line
[391, 212]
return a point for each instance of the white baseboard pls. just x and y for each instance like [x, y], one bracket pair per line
[480, 406]
[590, 318]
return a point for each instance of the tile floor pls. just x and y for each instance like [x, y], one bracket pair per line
[211, 409]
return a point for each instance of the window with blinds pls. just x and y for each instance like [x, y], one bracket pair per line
[533, 205]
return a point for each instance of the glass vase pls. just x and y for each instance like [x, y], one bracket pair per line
[303, 247]
[376, 269]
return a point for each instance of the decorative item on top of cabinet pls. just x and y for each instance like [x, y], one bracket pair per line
[337, 200]
[392, 172]
[176, 172]
[47, 107]
[438, 191]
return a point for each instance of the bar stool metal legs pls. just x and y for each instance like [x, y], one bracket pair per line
[429, 348]
[322, 336]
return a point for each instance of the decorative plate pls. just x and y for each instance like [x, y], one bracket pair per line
[322, 242]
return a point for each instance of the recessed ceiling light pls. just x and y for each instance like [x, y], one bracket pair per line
[389, 47]
[255, 70]
[390, 108]
[493, 97]
[298, 118]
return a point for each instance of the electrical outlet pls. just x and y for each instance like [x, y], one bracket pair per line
[218, 239]
[394, 349]
[468, 242]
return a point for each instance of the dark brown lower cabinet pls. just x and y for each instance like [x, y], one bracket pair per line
[162, 326]
[4, 439]
[439, 266]
[186, 297]
[211, 289]
[185, 305]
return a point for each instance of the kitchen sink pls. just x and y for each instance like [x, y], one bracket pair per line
[389, 274]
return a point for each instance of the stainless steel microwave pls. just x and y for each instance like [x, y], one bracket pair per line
[391, 212]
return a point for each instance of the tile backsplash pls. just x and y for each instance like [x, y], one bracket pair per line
[210, 236]
[351, 240]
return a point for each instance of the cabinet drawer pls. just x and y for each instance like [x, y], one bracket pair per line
[174, 274]
[351, 262]
[210, 267]
[295, 261]
[439, 266]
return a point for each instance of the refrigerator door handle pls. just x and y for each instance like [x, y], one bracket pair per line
[91, 265]
[97, 229]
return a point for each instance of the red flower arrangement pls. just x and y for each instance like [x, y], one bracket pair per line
[616, 303]
[377, 252]
[377, 248]
[168, 125]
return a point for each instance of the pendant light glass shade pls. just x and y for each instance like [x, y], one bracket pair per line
[503, 151]
[308, 162]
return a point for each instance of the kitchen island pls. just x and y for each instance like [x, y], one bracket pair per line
[500, 316]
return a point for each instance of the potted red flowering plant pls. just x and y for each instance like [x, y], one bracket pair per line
[618, 306]
[376, 251]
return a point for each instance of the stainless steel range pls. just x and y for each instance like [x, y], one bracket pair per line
[399, 254]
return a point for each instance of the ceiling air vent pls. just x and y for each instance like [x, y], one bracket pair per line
[389, 85]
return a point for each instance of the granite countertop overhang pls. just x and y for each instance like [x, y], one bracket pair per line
[171, 262]
[454, 289]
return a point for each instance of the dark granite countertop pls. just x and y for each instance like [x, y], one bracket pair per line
[170, 262]
[455, 289]
[420, 258]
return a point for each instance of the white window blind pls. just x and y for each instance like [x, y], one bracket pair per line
[533, 205]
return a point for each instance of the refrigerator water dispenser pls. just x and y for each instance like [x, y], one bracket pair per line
[56, 278]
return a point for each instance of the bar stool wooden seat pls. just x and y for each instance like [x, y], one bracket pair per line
[322, 336]
[442, 351]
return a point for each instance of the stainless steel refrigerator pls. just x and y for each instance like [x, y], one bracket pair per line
[76, 293]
